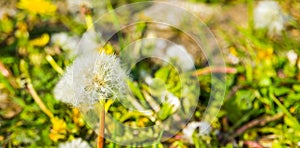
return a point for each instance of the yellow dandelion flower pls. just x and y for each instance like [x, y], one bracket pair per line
[42, 7]
[41, 41]
[77, 118]
[59, 129]
[59, 125]
[54, 136]
[108, 49]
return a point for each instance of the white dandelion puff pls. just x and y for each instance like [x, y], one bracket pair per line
[93, 76]
[268, 15]
[76, 143]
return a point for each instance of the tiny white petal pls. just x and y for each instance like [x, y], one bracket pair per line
[75, 5]
[233, 59]
[204, 129]
[173, 100]
[292, 57]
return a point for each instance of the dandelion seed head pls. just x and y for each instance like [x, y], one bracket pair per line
[92, 77]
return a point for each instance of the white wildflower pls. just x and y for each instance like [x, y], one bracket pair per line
[204, 129]
[6, 11]
[268, 15]
[66, 42]
[233, 59]
[76, 143]
[181, 57]
[298, 143]
[172, 100]
[148, 80]
[93, 76]
[292, 57]
[75, 5]
[166, 96]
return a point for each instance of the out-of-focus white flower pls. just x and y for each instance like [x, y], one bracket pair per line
[76, 143]
[66, 42]
[75, 5]
[182, 58]
[172, 100]
[233, 59]
[204, 129]
[165, 95]
[292, 57]
[93, 76]
[6, 11]
[268, 15]
[298, 143]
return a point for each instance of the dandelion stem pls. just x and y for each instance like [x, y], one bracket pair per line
[38, 100]
[101, 125]
[32, 91]
[54, 65]
[89, 22]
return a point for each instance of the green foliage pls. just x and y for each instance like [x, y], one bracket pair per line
[266, 85]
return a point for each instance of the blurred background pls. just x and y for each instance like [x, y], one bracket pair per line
[259, 41]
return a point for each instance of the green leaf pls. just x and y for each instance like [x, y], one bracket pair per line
[279, 91]
[162, 73]
[296, 88]
[137, 92]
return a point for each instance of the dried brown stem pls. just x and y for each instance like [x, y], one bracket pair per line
[38, 100]
[100, 143]
[257, 122]
[7, 73]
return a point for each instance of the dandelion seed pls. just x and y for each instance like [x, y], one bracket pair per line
[268, 15]
[92, 77]
[76, 143]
